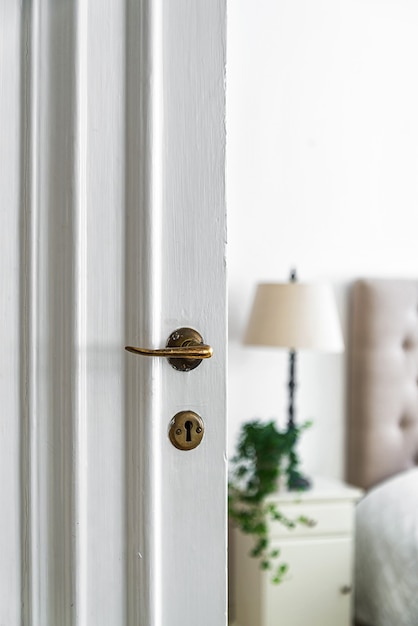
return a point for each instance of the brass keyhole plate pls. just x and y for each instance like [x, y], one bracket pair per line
[186, 430]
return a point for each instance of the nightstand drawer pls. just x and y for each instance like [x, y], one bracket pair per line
[317, 588]
[327, 518]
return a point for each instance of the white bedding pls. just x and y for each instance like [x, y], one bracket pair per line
[386, 576]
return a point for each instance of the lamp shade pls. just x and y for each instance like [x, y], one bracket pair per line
[296, 316]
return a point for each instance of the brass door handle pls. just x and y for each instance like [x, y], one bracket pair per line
[184, 350]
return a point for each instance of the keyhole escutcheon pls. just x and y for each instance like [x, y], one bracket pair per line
[186, 430]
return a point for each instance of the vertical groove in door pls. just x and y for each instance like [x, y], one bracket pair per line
[51, 316]
[80, 330]
[29, 192]
[155, 312]
[143, 306]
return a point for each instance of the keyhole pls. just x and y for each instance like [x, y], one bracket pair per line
[188, 426]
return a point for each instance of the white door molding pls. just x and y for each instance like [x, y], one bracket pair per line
[144, 183]
[113, 232]
[53, 319]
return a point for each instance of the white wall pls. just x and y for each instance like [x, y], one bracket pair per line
[322, 173]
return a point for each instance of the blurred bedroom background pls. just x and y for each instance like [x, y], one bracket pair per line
[322, 175]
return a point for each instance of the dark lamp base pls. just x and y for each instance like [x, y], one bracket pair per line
[297, 482]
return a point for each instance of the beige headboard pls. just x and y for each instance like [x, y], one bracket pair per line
[382, 429]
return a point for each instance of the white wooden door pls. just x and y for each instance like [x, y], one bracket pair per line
[112, 233]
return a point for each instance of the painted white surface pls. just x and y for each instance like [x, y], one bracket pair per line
[192, 539]
[322, 174]
[113, 232]
[10, 580]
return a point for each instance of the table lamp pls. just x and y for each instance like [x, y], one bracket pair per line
[296, 316]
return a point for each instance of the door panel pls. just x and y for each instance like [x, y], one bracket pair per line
[114, 233]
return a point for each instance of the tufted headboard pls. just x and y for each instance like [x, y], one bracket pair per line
[382, 429]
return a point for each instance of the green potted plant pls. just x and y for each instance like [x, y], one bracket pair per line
[264, 455]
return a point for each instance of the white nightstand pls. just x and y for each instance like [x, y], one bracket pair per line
[317, 590]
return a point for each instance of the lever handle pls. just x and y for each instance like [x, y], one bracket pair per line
[184, 350]
[188, 352]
